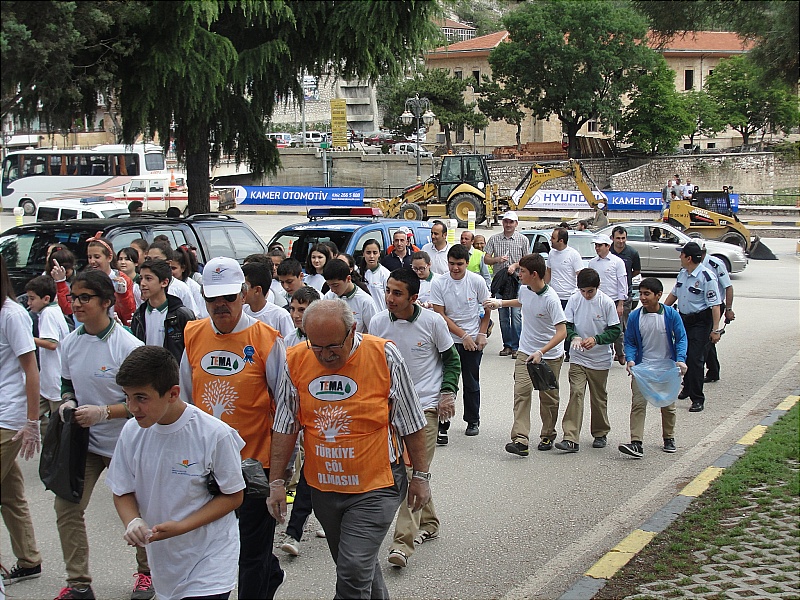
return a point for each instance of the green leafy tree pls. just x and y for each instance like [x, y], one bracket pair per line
[705, 112]
[503, 103]
[446, 94]
[748, 102]
[574, 59]
[656, 118]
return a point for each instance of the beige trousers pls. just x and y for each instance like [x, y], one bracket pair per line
[13, 505]
[72, 527]
[548, 401]
[638, 408]
[409, 523]
[579, 377]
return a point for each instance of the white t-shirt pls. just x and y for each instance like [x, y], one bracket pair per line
[424, 295]
[294, 338]
[276, 317]
[590, 318]
[613, 276]
[564, 266]
[653, 329]
[376, 282]
[540, 314]
[199, 309]
[52, 326]
[16, 339]
[180, 289]
[461, 299]
[420, 340]
[167, 468]
[438, 258]
[278, 294]
[92, 363]
[154, 324]
[362, 305]
[316, 281]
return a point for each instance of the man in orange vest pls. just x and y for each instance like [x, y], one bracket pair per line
[354, 398]
[231, 368]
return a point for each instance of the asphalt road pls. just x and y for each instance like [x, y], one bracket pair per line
[520, 527]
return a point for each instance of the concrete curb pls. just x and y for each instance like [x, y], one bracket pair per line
[596, 578]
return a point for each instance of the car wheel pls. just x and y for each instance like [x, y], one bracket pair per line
[28, 206]
[411, 212]
[724, 261]
[735, 238]
[460, 206]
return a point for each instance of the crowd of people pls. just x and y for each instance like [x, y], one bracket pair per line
[340, 379]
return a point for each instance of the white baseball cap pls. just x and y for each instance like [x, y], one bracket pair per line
[511, 215]
[222, 276]
[600, 238]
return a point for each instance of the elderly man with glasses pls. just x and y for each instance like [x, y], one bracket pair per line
[354, 398]
[231, 368]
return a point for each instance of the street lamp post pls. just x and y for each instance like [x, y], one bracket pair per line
[418, 108]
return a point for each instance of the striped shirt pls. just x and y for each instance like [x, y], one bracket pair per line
[514, 247]
[405, 412]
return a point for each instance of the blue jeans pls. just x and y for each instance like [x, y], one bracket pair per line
[471, 383]
[510, 326]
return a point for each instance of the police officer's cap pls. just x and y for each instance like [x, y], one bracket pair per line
[692, 249]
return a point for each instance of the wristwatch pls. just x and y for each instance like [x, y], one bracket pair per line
[421, 475]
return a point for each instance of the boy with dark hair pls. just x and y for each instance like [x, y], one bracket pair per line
[52, 329]
[290, 275]
[193, 543]
[337, 276]
[654, 332]
[258, 277]
[301, 299]
[161, 318]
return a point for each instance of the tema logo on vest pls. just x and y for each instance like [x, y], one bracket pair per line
[222, 363]
[332, 388]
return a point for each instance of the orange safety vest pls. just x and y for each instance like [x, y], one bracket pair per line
[345, 415]
[228, 380]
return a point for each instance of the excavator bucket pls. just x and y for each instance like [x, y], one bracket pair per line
[759, 251]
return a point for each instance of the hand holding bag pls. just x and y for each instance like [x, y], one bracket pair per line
[62, 465]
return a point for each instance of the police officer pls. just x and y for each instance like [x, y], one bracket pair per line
[716, 266]
[697, 294]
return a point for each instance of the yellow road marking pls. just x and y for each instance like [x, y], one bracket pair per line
[788, 403]
[620, 555]
[701, 482]
[752, 436]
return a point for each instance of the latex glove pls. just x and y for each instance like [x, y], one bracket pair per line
[90, 414]
[68, 403]
[481, 341]
[120, 285]
[137, 533]
[683, 368]
[575, 344]
[536, 357]
[276, 503]
[30, 439]
[631, 363]
[447, 406]
[469, 343]
[492, 303]
[58, 273]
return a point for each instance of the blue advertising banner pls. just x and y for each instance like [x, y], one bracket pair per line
[299, 196]
[617, 200]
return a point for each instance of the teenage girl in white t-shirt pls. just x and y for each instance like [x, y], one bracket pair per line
[318, 257]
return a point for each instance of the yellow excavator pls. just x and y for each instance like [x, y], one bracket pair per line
[463, 185]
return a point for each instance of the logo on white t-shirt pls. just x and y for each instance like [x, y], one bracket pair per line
[105, 372]
[185, 468]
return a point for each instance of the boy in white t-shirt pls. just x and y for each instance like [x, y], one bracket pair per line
[159, 474]
[42, 301]
[375, 274]
[337, 276]
[258, 277]
[592, 326]
[301, 300]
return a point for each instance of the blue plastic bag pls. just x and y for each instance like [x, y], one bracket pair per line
[658, 380]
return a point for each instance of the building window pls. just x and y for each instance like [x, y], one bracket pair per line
[688, 79]
[711, 145]
[591, 126]
[459, 134]
[687, 146]
[476, 75]
[458, 75]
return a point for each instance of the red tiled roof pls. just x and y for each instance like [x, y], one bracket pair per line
[705, 41]
[452, 24]
[484, 42]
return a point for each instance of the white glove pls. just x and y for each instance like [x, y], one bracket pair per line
[631, 363]
[30, 439]
[276, 503]
[492, 303]
[138, 533]
[69, 403]
[91, 414]
[447, 406]
[481, 341]
[58, 273]
[576, 343]
[469, 343]
[683, 368]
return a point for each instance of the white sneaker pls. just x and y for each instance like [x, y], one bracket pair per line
[398, 558]
[291, 546]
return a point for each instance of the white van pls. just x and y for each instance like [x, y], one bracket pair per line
[313, 138]
[282, 140]
[96, 207]
[410, 148]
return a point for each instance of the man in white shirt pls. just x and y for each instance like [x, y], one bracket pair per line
[611, 268]
[259, 279]
[337, 276]
[457, 298]
[437, 248]
[563, 265]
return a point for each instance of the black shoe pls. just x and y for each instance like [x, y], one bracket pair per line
[472, 429]
[18, 574]
[489, 329]
[568, 446]
[708, 379]
[683, 395]
[506, 351]
[633, 449]
[275, 583]
[566, 357]
[71, 593]
[517, 448]
[600, 442]
[545, 444]
[696, 407]
[669, 445]
[442, 439]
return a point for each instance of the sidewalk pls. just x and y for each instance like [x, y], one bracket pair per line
[724, 543]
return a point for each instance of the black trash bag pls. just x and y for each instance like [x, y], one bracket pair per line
[62, 465]
[255, 480]
[542, 376]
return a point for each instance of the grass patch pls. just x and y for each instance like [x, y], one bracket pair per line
[767, 467]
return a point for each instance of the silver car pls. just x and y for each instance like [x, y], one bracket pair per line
[657, 244]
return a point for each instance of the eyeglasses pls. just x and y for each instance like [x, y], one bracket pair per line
[420, 269]
[226, 297]
[81, 298]
[331, 348]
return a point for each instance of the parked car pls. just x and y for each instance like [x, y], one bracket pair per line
[580, 240]
[96, 207]
[657, 244]
[213, 235]
[378, 138]
[349, 232]
[409, 148]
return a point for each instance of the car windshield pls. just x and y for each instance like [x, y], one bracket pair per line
[584, 245]
[297, 243]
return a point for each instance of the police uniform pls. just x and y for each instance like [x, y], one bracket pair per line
[724, 280]
[696, 292]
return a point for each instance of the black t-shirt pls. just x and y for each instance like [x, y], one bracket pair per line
[632, 263]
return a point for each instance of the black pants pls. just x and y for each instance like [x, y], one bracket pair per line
[566, 341]
[712, 362]
[301, 507]
[259, 569]
[698, 333]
